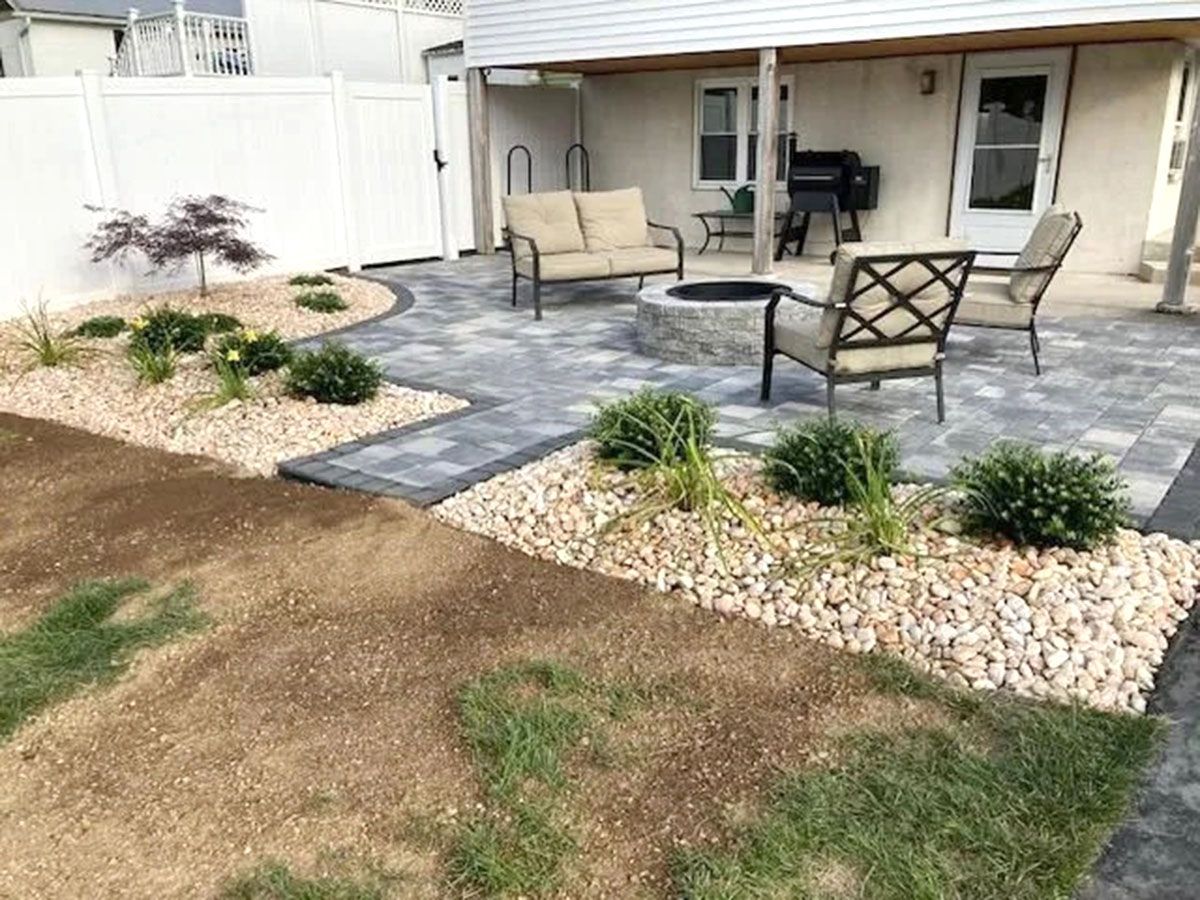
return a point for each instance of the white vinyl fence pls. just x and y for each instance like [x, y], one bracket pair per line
[343, 171]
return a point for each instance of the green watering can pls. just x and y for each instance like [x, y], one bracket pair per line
[741, 200]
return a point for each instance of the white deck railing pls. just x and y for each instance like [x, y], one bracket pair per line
[185, 43]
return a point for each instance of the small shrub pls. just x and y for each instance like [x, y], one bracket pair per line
[650, 426]
[310, 280]
[219, 323]
[334, 374]
[153, 366]
[255, 352]
[100, 327]
[164, 328]
[1043, 499]
[818, 460]
[321, 301]
[42, 342]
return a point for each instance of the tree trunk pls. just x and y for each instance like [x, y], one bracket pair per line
[203, 277]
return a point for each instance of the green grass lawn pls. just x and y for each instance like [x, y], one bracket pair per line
[75, 643]
[1012, 801]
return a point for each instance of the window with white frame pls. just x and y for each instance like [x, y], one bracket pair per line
[727, 130]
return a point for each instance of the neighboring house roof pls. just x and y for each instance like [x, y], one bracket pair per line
[119, 9]
[450, 48]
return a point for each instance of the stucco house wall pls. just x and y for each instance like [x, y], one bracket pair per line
[639, 128]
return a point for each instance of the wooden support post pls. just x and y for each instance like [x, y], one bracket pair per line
[481, 162]
[768, 156]
[1183, 241]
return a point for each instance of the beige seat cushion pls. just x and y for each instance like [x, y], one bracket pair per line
[550, 219]
[567, 266]
[875, 300]
[639, 260]
[801, 344]
[612, 220]
[1045, 247]
[989, 303]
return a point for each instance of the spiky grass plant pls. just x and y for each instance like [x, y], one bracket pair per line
[876, 522]
[153, 365]
[680, 470]
[42, 343]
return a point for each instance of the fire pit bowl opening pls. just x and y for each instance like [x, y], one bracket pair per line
[724, 291]
[710, 322]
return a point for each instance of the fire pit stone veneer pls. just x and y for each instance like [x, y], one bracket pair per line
[710, 322]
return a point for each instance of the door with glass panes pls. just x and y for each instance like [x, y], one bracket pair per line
[1010, 135]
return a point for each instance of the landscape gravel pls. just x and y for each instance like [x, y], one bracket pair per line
[101, 393]
[1069, 625]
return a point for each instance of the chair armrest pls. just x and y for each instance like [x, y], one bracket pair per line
[674, 231]
[997, 252]
[781, 293]
[513, 235]
[1024, 270]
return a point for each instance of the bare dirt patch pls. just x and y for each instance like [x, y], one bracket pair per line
[318, 714]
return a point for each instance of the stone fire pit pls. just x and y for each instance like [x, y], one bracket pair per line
[710, 322]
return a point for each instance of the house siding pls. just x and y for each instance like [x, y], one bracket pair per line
[528, 32]
[639, 129]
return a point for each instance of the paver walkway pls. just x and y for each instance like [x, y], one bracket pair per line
[1128, 386]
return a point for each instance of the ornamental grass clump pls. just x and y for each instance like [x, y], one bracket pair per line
[321, 301]
[1042, 499]
[99, 327]
[255, 352]
[877, 520]
[334, 374]
[650, 425]
[44, 344]
[821, 460]
[151, 365]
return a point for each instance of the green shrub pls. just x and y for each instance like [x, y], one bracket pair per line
[219, 323]
[153, 366]
[651, 426]
[310, 280]
[818, 460]
[334, 374]
[100, 327]
[321, 301]
[165, 327]
[1043, 499]
[255, 352]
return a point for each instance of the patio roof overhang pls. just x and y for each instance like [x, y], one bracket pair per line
[1114, 32]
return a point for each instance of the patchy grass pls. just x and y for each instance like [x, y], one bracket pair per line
[75, 644]
[275, 881]
[1014, 803]
[522, 723]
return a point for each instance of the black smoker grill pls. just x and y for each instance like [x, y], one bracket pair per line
[833, 182]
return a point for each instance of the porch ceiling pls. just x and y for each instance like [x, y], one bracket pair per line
[1169, 29]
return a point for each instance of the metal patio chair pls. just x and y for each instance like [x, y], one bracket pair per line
[889, 309]
[1012, 304]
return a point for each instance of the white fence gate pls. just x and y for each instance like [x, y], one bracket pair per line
[344, 172]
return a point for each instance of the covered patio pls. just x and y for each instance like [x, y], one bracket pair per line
[1120, 382]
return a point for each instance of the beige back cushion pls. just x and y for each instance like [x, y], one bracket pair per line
[549, 219]
[1046, 246]
[874, 301]
[612, 220]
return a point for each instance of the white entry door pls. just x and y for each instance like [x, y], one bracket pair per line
[1010, 132]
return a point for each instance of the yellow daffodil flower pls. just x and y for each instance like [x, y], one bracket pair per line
[233, 356]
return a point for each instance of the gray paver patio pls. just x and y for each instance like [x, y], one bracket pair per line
[1125, 386]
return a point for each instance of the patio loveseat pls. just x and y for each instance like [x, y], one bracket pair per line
[564, 236]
